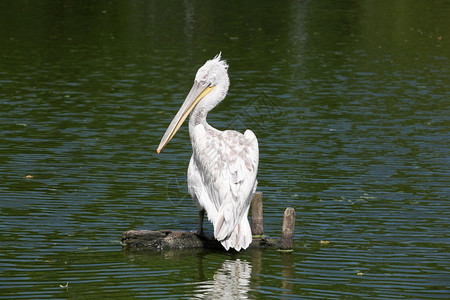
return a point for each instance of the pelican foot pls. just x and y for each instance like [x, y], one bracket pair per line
[200, 233]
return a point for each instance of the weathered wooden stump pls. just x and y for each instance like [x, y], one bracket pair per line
[257, 214]
[287, 231]
[176, 239]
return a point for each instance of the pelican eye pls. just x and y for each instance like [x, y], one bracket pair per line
[205, 82]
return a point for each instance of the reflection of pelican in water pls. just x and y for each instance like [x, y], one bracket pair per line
[223, 166]
[232, 281]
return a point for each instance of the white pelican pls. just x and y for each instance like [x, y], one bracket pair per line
[222, 171]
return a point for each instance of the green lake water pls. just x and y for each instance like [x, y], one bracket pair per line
[350, 101]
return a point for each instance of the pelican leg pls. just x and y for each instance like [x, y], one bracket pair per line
[201, 214]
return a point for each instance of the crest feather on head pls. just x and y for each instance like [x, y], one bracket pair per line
[218, 59]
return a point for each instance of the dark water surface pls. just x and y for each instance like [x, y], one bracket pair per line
[350, 103]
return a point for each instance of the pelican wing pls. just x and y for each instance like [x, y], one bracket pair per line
[228, 164]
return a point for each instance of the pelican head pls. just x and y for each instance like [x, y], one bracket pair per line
[210, 87]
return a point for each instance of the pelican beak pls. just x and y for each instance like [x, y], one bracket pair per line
[198, 91]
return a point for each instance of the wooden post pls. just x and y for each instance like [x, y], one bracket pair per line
[287, 232]
[257, 214]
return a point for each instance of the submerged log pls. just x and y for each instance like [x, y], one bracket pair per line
[175, 239]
